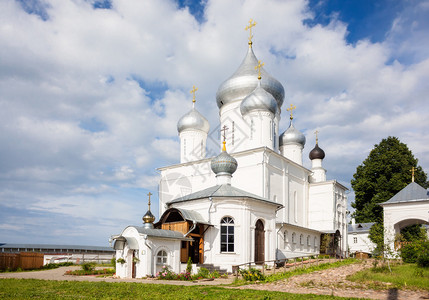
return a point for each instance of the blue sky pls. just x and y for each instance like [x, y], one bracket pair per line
[91, 92]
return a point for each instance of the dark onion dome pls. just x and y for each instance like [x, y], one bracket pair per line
[258, 100]
[148, 217]
[292, 136]
[244, 81]
[193, 120]
[317, 153]
[224, 163]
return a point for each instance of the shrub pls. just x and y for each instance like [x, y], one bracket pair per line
[252, 274]
[189, 265]
[410, 252]
[203, 273]
[89, 266]
[423, 258]
[166, 274]
[120, 260]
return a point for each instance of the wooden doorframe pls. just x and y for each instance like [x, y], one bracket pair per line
[259, 242]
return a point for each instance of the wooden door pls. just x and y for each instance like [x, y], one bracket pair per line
[259, 243]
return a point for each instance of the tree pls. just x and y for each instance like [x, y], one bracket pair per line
[385, 171]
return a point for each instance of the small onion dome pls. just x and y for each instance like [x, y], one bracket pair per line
[148, 217]
[224, 164]
[317, 153]
[193, 120]
[292, 136]
[258, 100]
[244, 81]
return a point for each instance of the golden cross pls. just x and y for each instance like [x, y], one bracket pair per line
[291, 108]
[194, 89]
[224, 129]
[316, 133]
[150, 194]
[251, 24]
[412, 173]
[258, 67]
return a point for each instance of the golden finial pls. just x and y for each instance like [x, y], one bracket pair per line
[258, 67]
[412, 174]
[224, 129]
[150, 194]
[194, 89]
[317, 139]
[251, 24]
[291, 108]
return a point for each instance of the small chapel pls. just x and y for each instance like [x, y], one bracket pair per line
[253, 203]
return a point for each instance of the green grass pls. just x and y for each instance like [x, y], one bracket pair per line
[43, 289]
[403, 276]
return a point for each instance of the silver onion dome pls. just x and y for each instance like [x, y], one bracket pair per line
[193, 120]
[258, 100]
[292, 136]
[224, 164]
[317, 153]
[244, 81]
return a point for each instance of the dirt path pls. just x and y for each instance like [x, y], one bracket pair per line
[333, 282]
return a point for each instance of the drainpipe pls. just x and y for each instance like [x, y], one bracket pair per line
[194, 224]
[151, 254]
[277, 239]
[210, 207]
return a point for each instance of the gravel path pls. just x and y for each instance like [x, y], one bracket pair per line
[333, 282]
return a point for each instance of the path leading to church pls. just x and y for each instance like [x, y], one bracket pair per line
[333, 282]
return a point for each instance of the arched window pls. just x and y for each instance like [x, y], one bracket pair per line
[301, 239]
[227, 235]
[161, 257]
[294, 237]
[308, 241]
[315, 243]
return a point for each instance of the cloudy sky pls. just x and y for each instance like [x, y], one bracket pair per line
[91, 91]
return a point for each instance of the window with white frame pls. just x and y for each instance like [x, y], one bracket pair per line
[294, 237]
[227, 235]
[308, 240]
[355, 240]
[161, 257]
[301, 239]
[315, 243]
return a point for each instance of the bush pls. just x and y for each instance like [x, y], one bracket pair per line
[252, 274]
[166, 274]
[89, 266]
[410, 252]
[189, 265]
[423, 258]
[203, 273]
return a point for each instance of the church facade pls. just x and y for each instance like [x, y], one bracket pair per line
[253, 203]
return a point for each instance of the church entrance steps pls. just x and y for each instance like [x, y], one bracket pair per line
[212, 268]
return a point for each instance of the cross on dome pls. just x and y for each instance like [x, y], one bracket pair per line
[149, 194]
[317, 138]
[194, 89]
[258, 67]
[223, 130]
[412, 173]
[291, 108]
[249, 27]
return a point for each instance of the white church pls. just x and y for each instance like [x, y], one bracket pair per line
[254, 203]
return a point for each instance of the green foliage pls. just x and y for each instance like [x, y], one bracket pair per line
[423, 258]
[252, 274]
[89, 266]
[91, 272]
[410, 252]
[120, 260]
[413, 233]
[376, 235]
[382, 174]
[189, 265]
[203, 272]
